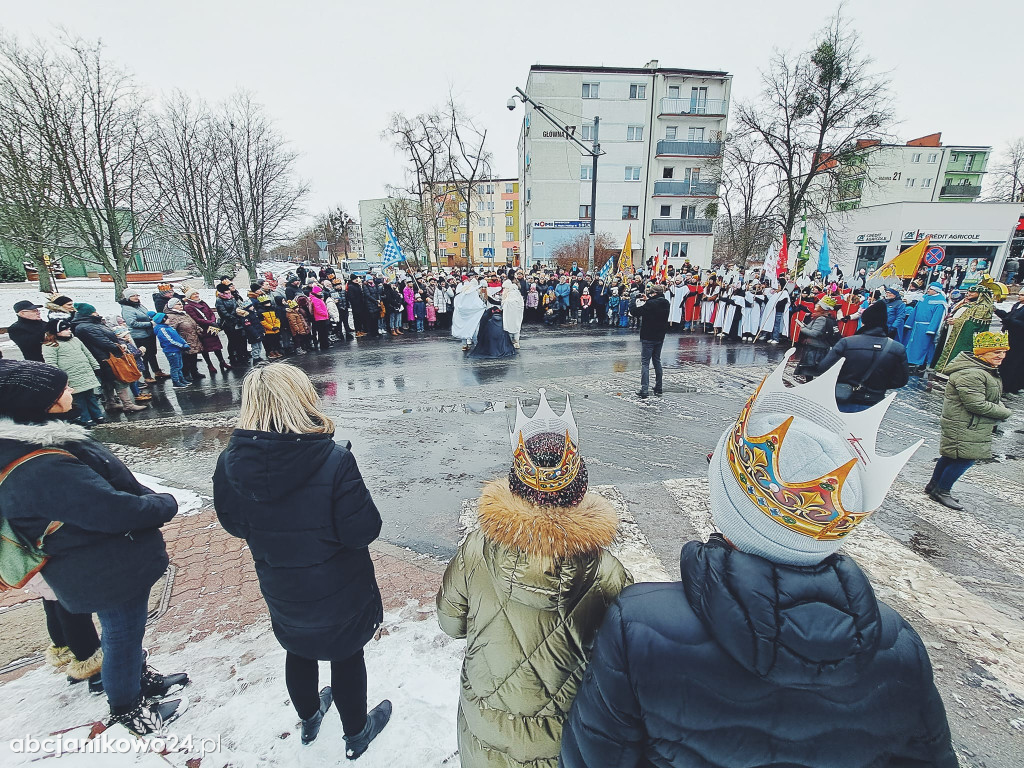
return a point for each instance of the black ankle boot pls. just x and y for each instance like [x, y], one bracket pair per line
[376, 719]
[311, 726]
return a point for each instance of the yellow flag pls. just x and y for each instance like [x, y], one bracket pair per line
[626, 256]
[902, 265]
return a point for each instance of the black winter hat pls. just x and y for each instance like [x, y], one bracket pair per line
[875, 316]
[28, 389]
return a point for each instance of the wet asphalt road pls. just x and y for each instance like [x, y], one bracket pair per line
[429, 426]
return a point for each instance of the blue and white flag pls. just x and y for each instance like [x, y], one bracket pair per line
[392, 250]
[606, 270]
[824, 265]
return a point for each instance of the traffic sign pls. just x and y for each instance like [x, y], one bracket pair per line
[321, 244]
[488, 253]
[934, 255]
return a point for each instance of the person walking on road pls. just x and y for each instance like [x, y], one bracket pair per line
[971, 409]
[652, 312]
[296, 496]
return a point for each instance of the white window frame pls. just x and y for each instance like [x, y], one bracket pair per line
[670, 132]
[509, 189]
[462, 207]
[481, 206]
[585, 213]
[510, 205]
[933, 157]
[591, 91]
[587, 132]
[693, 133]
[586, 172]
[638, 91]
[490, 205]
[633, 172]
[627, 209]
[911, 182]
[462, 238]
[916, 157]
[662, 214]
[926, 183]
[510, 221]
[481, 237]
[634, 133]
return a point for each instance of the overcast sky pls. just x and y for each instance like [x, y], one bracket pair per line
[331, 73]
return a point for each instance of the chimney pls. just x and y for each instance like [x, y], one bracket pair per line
[652, 64]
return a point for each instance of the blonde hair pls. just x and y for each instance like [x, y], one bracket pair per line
[280, 398]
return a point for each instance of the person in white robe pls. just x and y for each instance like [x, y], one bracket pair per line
[708, 302]
[768, 317]
[676, 293]
[469, 308]
[512, 308]
[754, 314]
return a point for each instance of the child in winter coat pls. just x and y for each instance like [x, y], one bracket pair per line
[173, 345]
[431, 314]
[613, 306]
[419, 309]
[586, 301]
[64, 351]
[301, 331]
[623, 309]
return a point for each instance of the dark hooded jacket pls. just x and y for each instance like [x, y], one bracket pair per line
[301, 504]
[100, 340]
[752, 663]
[109, 548]
[28, 335]
[861, 351]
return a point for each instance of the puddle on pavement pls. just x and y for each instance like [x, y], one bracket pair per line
[171, 437]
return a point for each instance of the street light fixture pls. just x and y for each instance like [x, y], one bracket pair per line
[594, 152]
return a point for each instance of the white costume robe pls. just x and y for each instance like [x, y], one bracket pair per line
[676, 294]
[511, 308]
[469, 308]
[707, 305]
[754, 315]
[768, 316]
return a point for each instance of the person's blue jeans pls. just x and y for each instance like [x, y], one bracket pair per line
[777, 328]
[256, 351]
[650, 351]
[948, 471]
[89, 405]
[123, 628]
[175, 364]
[854, 407]
[419, 325]
[395, 320]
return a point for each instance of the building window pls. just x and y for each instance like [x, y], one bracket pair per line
[635, 133]
[954, 157]
[969, 162]
[666, 210]
[933, 157]
[638, 91]
[673, 91]
[509, 189]
[586, 172]
[490, 205]
[590, 90]
[480, 206]
[926, 183]
[481, 237]
[916, 157]
[584, 211]
[510, 253]
[463, 253]
[462, 221]
[443, 253]
[510, 203]
[490, 189]
[632, 173]
[587, 132]
[462, 207]
[670, 133]
[695, 134]
[630, 212]
[666, 173]
[911, 182]
[462, 238]
[688, 212]
[510, 221]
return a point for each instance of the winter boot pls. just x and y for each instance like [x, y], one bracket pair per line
[375, 721]
[945, 499]
[141, 718]
[78, 671]
[96, 684]
[127, 403]
[58, 658]
[156, 686]
[311, 726]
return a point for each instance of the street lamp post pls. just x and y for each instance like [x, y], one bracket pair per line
[594, 152]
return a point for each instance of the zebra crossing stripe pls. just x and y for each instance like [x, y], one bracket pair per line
[993, 640]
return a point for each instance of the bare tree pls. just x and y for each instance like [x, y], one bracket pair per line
[90, 116]
[335, 226]
[186, 155]
[577, 251]
[749, 201]
[468, 160]
[406, 222]
[1007, 176]
[262, 194]
[813, 109]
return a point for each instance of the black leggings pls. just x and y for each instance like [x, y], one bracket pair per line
[321, 331]
[149, 361]
[348, 683]
[72, 630]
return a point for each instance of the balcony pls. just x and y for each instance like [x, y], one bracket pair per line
[686, 188]
[959, 190]
[707, 107]
[690, 148]
[681, 226]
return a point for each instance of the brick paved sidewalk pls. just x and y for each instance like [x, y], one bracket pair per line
[214, 588]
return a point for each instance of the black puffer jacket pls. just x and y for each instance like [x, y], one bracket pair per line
[860, 351]
[653, 318]
[98, 339]
[28, 336]
[300, 503]
[109, 548]
[750, 663]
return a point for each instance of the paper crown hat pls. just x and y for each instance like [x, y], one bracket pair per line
[547, 466]
[794, 476]
[991, 341]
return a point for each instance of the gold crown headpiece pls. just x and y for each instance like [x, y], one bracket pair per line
[813, 507]
[546, 422]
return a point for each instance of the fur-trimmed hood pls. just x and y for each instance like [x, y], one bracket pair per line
[46, 434]
[548, 532]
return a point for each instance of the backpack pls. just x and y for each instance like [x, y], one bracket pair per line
[21, 559]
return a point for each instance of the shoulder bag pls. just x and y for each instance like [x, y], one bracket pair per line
[846, 390]
[124, 368]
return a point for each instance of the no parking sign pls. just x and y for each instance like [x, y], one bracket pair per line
[934, 255]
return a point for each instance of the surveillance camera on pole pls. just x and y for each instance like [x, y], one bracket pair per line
[511, 104]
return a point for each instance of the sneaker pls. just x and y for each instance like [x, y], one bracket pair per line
[376, 719]
[142, 718]
[657, 391]
[311, 726]
[182, 385]
[156, 686]
[641, 394]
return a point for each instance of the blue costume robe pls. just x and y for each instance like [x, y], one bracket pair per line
[923, 326]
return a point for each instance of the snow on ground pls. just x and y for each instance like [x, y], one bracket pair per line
[189, 502]
[238, 696]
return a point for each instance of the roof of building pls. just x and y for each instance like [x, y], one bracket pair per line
[932, 140]
[629, 70]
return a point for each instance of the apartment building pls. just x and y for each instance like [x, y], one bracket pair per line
[921, 171]
[660, 131]
[483, 231]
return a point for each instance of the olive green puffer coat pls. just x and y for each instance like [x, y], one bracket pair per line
[970, 408]
[72, 357]
[528, 591]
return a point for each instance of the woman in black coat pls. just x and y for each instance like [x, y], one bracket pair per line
[298, 500]
[101, 528]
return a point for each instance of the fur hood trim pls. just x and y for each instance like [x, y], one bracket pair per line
[556, 532]
[47, 434]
